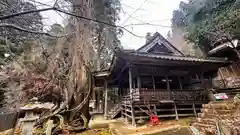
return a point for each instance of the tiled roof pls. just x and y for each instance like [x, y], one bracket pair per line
[180, 58]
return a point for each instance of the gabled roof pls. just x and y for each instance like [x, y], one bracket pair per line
[224, 46]
[159, 40]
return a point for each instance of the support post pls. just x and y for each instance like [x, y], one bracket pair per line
[153, 80]
[106, 101]
[197, 77]
[194, 109]
[138, 81]
[202, 81]
[180, 83]
[133, 115]
[155, 109]
[168, 87]
[176, 112]
[221, 75]
[94, 95]
[99, 101]
[126, 118]
[130, 82]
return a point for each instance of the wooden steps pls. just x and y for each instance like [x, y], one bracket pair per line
[210, 115]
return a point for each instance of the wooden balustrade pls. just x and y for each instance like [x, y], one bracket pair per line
[175, 95]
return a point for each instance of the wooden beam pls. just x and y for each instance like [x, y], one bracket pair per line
[127, 115]
[106, 100]
[159, 116]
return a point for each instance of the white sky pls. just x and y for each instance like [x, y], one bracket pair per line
[150, 11]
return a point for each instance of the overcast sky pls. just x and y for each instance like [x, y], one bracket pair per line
[134, 12]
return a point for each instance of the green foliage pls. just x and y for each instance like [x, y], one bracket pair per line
[206, 21]
[107, 37]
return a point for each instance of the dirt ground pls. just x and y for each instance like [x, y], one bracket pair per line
[99, 126]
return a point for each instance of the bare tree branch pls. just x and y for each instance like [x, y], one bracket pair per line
[30, 31]
[139, 24]
[68, 13]
[25, 12]
[94, 20]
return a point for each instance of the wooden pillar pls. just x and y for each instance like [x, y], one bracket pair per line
[138, 82]
[94, 95]
[130, 82]
[168, 87]
[94, 100]
[197, 77]
[126, 117]
[194, 109]
[180, 83]
[176, 112]
[153, 83]
[222, 78]
[99, 100]
[133, 83]
[202, 81]
[106, 101]
[133, 115]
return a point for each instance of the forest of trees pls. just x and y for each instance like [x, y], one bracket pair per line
[207, 21]
[56, 65]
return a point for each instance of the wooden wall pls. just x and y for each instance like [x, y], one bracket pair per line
[230, 74]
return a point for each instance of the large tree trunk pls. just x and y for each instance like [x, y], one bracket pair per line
[81, 49]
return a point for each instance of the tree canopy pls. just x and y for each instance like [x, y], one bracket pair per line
[207, 21]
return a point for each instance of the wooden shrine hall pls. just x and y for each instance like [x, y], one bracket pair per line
[156, 78]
